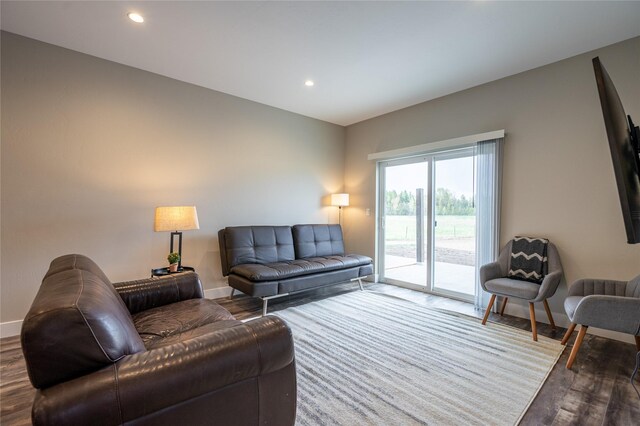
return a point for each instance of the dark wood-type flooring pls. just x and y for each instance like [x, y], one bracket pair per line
[597, 391]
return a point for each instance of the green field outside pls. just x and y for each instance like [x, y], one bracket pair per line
[403, 228]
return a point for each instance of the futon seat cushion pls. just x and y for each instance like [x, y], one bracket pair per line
[516, 288]
[298, 267]
[177, 318]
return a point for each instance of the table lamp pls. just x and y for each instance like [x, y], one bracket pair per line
[176, 219]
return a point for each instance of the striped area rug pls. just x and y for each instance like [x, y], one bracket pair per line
[366, 358]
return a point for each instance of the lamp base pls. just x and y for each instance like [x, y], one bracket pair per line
[179, 235]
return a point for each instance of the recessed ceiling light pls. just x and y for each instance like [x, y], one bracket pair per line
[136, 18]
[309, 83]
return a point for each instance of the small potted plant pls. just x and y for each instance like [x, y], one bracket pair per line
[173, 259]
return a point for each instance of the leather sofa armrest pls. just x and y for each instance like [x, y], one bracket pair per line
[617, 313]
[145, 383]
[589, 286]
[148, 293]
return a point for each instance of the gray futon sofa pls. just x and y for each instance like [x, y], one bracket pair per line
[274, 261]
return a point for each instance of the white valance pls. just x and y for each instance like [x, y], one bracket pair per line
[436, 146]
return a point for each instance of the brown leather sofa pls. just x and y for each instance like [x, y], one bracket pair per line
[274, 261]
[151, 352]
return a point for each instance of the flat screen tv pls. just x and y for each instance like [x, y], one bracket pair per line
[624, 144]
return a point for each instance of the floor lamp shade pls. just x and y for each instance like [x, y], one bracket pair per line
[340, 200]
[176, 219]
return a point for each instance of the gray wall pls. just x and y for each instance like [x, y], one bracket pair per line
[558, 175]
[91, 147]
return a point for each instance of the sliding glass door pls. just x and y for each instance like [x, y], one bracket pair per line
[454, 224]
[427, 223]
[404, 221]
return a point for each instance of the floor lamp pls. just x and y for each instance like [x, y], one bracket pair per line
[176, 219]
[340, 200]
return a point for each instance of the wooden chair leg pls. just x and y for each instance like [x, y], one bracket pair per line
[576, 346]
[534, 329]
[486, 314]
[504, 305]
[567, 335]
[546, 308]
[637, 342]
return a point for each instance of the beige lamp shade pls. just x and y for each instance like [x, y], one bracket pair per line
[340, 200]
[180, 218]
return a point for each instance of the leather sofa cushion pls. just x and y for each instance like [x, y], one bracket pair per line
[258, 244]
[294, 268]
[317, 240]
[177, 318]
[77, 324]
[302, 282]
[158, 341]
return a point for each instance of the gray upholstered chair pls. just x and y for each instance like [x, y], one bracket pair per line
[493, 278]
[608, 304]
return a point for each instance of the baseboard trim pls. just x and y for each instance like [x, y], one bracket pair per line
[218, 292]
[10, 328]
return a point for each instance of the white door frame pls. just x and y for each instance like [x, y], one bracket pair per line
[380, 216]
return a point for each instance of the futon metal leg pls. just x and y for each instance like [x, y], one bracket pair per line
[265, 301]
[233, 290]
[359, 279]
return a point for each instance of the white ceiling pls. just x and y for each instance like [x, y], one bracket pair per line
[366, 58]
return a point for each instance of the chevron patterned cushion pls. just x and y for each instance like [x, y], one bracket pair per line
[528, 259]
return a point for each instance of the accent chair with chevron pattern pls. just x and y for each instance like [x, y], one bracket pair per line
[495, 279]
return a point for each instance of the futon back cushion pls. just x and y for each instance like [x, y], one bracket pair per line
[528, 259]
[318, 240]
[257, 244]
[77, 324]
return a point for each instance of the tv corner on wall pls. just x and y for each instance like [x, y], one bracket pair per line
[624, 143]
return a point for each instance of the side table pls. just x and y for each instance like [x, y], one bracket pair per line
[161, 272]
